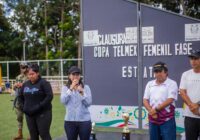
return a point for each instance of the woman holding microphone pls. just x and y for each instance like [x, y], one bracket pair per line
[77, 98]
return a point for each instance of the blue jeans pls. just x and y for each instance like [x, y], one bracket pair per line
[165, 131]
[75, 129]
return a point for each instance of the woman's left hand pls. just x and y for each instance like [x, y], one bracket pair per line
[80, 89]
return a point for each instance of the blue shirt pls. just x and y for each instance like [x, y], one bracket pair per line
[76, 104]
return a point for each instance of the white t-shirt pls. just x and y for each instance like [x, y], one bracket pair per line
[190, 81]
[157, 94]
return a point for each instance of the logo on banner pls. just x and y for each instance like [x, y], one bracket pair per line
[147, 34]
[192, 32]
[131, 35]
[90, 38]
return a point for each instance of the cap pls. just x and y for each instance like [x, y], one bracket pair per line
[194, 53]
[74, 69]
[159, 66]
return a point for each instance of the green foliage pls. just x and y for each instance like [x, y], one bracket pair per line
[59, 29]
[185, 7]
[30, 22]
[4, 34]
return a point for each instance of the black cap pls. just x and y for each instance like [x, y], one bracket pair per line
[194, 53]
[74, 69]
[159, 66]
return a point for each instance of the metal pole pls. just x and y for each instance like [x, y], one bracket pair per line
[140, 68]
[24, 51]
[61, 68]
[8, 76]
[46, 35]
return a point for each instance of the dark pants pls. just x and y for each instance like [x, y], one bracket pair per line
[165, 131]
[75, 129]
[192, 128]
[39, 125]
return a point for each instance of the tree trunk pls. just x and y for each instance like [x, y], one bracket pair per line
[183, 6]
[61, 32]
[46, 35]
[80, 45]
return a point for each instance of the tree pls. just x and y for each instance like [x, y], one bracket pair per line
[51, 25]
[191, 8]
[184, 7]
[23, 19]
[4, 36]
[64, 30]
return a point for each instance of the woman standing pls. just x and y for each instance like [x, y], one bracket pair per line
[36, 95]
[77, 98]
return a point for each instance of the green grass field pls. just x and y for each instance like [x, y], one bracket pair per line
[8, 122]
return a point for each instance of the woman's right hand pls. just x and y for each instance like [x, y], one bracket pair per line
[74, 84]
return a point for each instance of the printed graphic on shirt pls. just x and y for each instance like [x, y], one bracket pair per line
[28, 90]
